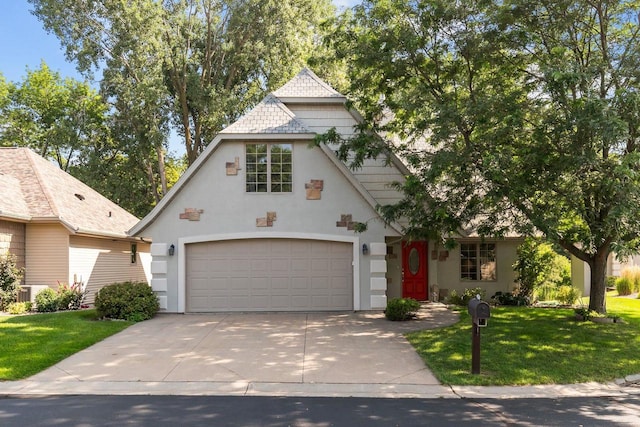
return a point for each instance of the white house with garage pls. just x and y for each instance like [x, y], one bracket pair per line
[264, 221]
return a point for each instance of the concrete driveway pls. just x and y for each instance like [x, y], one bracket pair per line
[271, 353]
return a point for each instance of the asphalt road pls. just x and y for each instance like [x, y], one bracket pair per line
[87, 411]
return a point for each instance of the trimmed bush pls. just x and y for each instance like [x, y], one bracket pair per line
[19, 307]
[133, 301]
[567, 295]
[46, 301]
[401, 309]
[624, 286]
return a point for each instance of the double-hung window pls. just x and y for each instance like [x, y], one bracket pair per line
[478, 261]
[268, 168]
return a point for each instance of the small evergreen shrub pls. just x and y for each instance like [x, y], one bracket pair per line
[46, 301]
[624, 286]
[567, 295]
[401, 308]
[133, 301]
[10, 277]
[611, 282]
[19, 307]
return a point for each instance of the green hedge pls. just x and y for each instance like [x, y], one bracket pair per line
[133, 301]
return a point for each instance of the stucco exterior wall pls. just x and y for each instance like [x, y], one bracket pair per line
[227, 209]
[101, 262]
[448, 270]
[47, 261]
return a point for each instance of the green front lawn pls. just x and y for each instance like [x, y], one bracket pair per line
[536, 346]
[29, 344]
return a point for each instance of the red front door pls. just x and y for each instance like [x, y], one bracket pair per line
[414, 270]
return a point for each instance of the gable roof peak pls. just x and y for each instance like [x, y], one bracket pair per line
[307, 85]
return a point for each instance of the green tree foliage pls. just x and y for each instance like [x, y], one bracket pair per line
[515, 116]
[10, 277]
[538, 265]
[58, 118]
[199, 63]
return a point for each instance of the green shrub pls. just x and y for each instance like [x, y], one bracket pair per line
[70, 297]
[46, 300]
[466, 296]
[19, 307]
[546, 292]
[509, 298]
[567, 295]
[401, 308]
[624, 286]
[538, 265]
[611, 282]
[134, 301]
[10, 277]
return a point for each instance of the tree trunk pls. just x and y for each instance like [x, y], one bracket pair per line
[161, 170]
[598, 265]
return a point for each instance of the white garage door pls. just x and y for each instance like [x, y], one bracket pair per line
[269, 275]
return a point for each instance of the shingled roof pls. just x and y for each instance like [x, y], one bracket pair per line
[307, 85]
[270, 116]
[33, 189]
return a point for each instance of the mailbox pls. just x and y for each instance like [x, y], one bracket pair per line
[479, 311]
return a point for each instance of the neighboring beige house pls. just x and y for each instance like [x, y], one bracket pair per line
[581, 273]
[265, 221]
[60, 229]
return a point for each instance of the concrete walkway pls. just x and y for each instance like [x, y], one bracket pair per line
[274, 354]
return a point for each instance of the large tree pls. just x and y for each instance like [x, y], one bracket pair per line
[515, 116]
[56, 117]
[208, 61]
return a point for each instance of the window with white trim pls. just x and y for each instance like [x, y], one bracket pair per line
[478, 261]
[268, 168]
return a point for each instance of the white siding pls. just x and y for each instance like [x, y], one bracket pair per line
[100, 262]
[321, 118]
[374, 175]
[47, 257]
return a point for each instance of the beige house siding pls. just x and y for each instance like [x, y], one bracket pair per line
[48, 260]
[12, 240]
[447, 270]
[101, 262]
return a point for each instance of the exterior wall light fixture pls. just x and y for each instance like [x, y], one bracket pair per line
[365, 249]
[172, 250]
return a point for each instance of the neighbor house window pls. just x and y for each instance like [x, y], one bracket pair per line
[478, 261]
[268, 168]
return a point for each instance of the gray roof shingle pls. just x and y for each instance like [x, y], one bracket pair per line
[34, 189]
[307, 85]
[270, 116]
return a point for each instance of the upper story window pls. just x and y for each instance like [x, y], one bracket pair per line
[478, 261]
[268, 168]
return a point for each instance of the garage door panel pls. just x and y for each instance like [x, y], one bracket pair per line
[269, 275]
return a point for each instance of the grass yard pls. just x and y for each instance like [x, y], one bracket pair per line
[29, 344]
[523, 346]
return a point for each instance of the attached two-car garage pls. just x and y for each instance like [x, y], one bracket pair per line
[269, 275]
